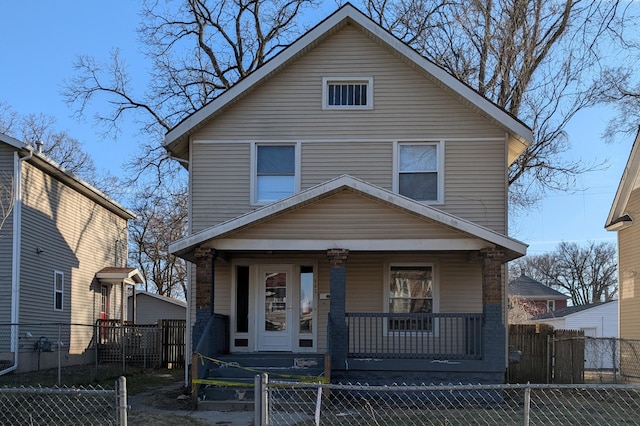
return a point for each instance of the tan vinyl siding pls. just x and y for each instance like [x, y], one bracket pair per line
[629, 271]
[369, 161]
[6, 237]
[77, 237]
[475, 182]
[408, 106]
[220, 183]
[347, 216]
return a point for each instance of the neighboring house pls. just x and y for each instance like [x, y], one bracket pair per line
[623, 218]
[596, 320]
[62, 265]
[533, 298]
[349, 197]
[149, 308]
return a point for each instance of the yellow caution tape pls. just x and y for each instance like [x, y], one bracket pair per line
[303, 379]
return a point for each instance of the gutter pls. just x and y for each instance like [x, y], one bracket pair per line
[15, 256]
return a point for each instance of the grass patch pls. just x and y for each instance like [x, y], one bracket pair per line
[138, 379]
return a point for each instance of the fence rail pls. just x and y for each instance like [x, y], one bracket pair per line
[279, 403]
[413, 335]
[62, 405]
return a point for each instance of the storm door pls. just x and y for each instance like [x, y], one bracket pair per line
[275, 308]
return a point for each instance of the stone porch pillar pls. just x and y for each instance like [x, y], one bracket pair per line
[205, 290]
[493, 327]
[339, 334]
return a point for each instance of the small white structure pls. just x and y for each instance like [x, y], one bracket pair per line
[151, 307]
[599, 320]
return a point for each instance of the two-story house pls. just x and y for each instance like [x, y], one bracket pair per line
[529, 298]
[63, 261]
[349, 197]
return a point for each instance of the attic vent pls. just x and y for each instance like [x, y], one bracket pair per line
[347, 93]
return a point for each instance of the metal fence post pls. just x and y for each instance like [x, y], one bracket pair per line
[257, 400]
[122, 400]
[527, 405]
[264, 400]
[59, 360]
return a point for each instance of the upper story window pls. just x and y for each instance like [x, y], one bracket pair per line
[551, 305]
[58, 290]
[275, 172]
[419, 171]
[347, 93]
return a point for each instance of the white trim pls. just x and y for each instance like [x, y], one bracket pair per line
[628, 182]
[356, 245]
[440, 151]
[326, 81]
[253, 178]
[342, 16]
[346, 140]
[435, 299]
[55, 290]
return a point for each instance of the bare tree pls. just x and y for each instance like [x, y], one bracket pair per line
[521, 309]
[587, 273]
[196, 49]
[161, 220]
[541, 60]
[57, 145]
[7, 198]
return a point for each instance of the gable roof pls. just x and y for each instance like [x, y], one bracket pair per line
[176, 139]
[160, 297]
[477, 236]
[525, 286]
[561, 313]
[630, 181]
[115, 275]
[54, 169]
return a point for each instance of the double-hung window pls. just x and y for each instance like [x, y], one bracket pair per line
[411, 294]
[58, 290]
[275, 173]
[419, 172]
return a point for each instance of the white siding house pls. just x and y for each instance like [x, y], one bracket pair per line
[597, 320]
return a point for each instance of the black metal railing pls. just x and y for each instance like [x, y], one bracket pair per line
[421, 336]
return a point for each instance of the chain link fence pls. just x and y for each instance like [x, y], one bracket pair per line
[64, 406]
[281, 403]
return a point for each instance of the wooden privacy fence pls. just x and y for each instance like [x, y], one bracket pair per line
[145, 345]
[548, 355]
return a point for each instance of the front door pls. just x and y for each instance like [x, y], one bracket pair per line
[275, 308]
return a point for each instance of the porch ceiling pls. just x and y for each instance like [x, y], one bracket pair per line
[351, 214]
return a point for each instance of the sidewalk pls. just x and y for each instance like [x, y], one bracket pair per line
[164, 406]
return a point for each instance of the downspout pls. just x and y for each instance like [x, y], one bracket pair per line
[15, 255]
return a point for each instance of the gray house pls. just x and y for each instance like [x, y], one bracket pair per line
[349, 198]
[149, 308]
[63, 254]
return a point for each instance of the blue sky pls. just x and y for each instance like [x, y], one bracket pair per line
[41, 39]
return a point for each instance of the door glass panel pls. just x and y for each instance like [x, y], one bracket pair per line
[306, 299]
[275, 301]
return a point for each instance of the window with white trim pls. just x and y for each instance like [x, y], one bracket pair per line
[58, 290]
[411, 292]
[551, 305]
[419, 173]
[275, 172]
[347, 93]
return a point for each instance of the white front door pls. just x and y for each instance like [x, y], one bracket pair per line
[275, 307]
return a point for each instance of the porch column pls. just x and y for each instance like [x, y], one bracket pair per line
[493, 326]
[339, 334]
[205, 282]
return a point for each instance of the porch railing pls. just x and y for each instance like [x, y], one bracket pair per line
[424, 336]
